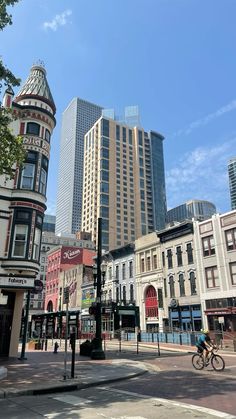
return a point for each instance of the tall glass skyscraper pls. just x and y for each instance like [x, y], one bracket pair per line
[77, 119]
[232, 182]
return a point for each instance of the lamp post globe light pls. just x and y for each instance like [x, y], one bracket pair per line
[98, 273]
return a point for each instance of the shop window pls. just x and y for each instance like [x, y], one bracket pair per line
[208, 245]
[20, 241]
[212, 278]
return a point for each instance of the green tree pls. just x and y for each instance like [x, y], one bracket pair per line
[11, 148]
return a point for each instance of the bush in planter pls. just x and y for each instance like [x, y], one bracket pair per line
[86, 348]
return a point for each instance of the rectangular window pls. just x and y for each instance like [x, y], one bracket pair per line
[131, 269]
[169, 258]
[163, 259]
[105, 127]
[179, 256]
[142, 265]
[208, 245]
[154, 261]
[123, 271]
[230, 236]
[232, 267]
[212, 279]
[20, 241]
[148, 263]
[36, 246]
[117, 272]
[189, 250]
[43, 182]
[27, 176]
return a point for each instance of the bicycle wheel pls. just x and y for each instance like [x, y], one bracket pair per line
[198, 362]
[217, 363]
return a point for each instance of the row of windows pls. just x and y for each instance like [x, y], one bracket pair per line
[181, 282]
[208, 243]
[179, 259]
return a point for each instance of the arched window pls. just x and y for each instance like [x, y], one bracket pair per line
[181, 285]
[124, 294]
[172, 286]
[151, 305]
[50, 306]
[131, 292]
[192, 283]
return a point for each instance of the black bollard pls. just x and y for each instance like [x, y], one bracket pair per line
[56, 346]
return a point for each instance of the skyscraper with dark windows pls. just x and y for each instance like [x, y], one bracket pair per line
[77, 119]
[232, 182]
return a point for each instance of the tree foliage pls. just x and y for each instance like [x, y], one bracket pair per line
[11, 149]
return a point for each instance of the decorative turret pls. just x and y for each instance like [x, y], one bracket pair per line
[34, 121]
[36, 88]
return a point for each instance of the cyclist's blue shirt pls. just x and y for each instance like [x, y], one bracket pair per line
[201, 339]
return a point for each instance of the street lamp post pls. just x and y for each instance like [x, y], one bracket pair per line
[97, 352]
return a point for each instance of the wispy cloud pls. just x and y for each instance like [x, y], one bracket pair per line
[206, 119]
[202, 174]
[58, 20]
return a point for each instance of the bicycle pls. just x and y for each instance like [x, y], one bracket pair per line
[217, 362]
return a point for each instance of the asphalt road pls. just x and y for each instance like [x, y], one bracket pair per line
[178, 380]
[170, 389]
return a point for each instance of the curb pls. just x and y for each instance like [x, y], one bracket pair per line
[59, 388]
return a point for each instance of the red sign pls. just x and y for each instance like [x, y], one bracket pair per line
[71, 255]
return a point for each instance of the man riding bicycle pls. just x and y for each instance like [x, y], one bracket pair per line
[204, 344]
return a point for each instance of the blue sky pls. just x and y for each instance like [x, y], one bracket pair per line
[176, 59]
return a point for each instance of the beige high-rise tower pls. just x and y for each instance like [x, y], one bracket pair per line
[123, 182]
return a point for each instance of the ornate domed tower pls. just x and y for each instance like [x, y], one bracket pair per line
[23, 199]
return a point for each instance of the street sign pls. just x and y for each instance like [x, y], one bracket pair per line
[221, 320]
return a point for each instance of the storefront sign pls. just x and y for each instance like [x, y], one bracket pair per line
[16, 282]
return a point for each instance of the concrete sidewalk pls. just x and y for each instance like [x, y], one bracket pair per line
[43, 373]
